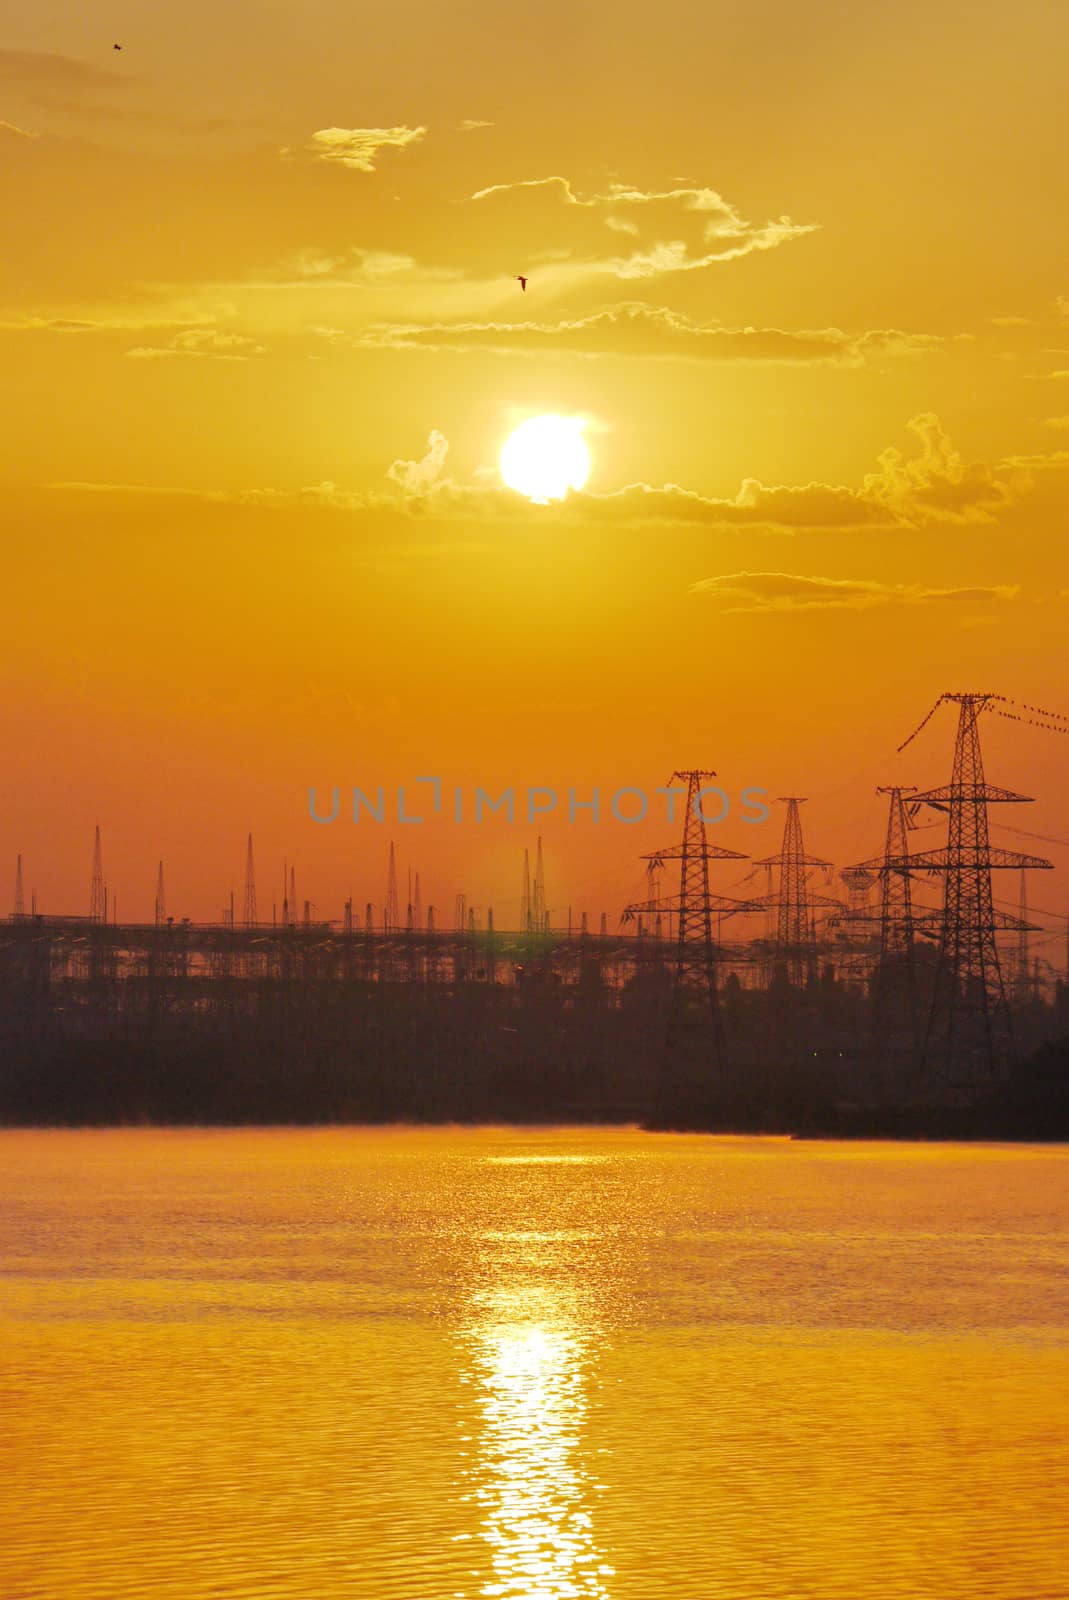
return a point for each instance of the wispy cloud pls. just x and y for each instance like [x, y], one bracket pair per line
[205, 343]
[356, 148]
[680, 230]
[783, 591]
[116, 324]
[636, 329]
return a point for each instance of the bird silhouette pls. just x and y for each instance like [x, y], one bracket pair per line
[522, 281]
[116, 47]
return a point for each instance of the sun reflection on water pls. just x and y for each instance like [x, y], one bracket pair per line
[530, 1356]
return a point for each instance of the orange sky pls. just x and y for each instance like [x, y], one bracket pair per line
[802, 269]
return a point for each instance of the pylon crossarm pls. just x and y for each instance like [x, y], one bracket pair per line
[948, 793]
[770, 901]
[716, 904]
[947, 860]
[799, 860]
[695, 852]
[882, 864]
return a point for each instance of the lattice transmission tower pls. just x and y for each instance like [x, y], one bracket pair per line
[895, 1010]
[98, 905]
[694, 987]
[969, 1033]
[539, 914]
[525, 895]
[793, 901]
[250, 917]
[896, 879]
[391, 915]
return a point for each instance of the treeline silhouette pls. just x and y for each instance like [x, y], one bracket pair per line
[807, 1060]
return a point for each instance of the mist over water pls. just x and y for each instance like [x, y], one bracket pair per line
[538, 1364]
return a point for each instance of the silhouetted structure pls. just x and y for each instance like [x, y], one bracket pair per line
[313, 1018]
[98, 905]
[896, 875]
[967, 1043]
[250, 917]
[793, 901]
[539, 914]
[694, 988]
[391, 916]
[525, 894]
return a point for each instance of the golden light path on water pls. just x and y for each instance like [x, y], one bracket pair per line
[529, 1355]
[530, 1344]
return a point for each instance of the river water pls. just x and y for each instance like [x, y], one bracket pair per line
[535, 1364]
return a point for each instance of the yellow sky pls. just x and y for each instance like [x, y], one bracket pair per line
[802, 271]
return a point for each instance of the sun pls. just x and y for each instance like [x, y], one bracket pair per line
[545, 457]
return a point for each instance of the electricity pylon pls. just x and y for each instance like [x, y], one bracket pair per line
[969, 1034]
[391, 916]
[538, 893]
[793, 900]
[896, 893]
[894, 977]
[250, 917]
[97, 901]
[525, 895]
[694, 987]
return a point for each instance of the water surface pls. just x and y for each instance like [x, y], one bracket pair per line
[537, 1364]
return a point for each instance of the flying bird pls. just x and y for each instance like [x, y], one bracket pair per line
[522, 281]
[116, 47]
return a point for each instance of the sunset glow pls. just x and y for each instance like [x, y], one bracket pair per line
[264, 342]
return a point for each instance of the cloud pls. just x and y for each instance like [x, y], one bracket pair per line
[469, 124]
[20, 133]
[325, 495]
[636, 329]
[416, 477]
[73, 325]
[683, 229]
[1057, 422]
[934, 487]
[747, 592]
[1051, 461]
[937, 485]
[356, 148]
[353, 268]
[203, 342]
[433, 498]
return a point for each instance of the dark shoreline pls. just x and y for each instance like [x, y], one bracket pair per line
[473, 1075]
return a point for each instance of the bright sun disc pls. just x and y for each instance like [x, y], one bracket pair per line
[545, 457]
